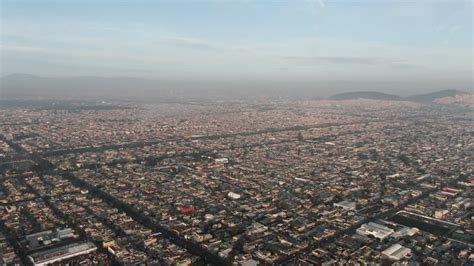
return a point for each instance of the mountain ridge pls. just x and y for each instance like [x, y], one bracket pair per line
[374, 95]
[27, 86]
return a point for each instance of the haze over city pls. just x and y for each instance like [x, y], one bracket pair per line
[239, 133]
[320, 46]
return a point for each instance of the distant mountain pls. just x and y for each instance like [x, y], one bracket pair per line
[26, 86]
[430, 97]
[372, 95]
[30, 87]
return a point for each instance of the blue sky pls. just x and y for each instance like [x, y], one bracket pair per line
[354, 40]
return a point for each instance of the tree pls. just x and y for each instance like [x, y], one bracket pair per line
[300, 137]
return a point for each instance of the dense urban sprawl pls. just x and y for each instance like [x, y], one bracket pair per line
[238, 183]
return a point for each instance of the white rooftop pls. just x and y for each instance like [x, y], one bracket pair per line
[396, 252]
[375, 230]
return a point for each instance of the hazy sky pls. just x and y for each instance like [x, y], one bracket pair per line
[418, 41]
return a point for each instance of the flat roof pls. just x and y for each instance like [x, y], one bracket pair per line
[61, 253]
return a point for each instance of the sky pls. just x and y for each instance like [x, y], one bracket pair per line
[420, 43]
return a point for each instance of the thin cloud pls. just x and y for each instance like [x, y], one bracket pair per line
[405, 66]
[342, 60]
[331, 60]
[321, 3]
[316, 3]
[189, 43]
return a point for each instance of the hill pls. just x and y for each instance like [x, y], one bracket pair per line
[421, 98]
[430, 97]
[30, 87]
[372, 95]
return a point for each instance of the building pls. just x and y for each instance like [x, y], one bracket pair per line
[346, 205]
[375, 230]
[61, 253]
[406, 231]
[233, 195]
[397, 252]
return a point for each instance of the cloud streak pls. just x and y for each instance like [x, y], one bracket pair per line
[330, 59]
[189, 43]
[347, 60]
